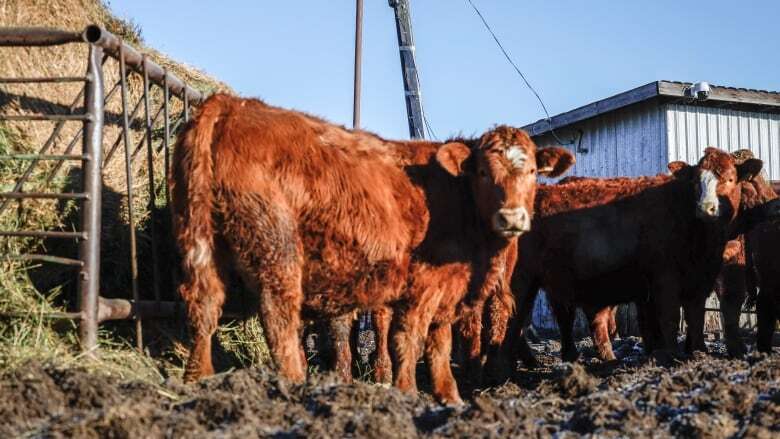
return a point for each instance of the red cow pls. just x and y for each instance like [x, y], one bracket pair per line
[656, 240]
[754, 263]
[320, 221]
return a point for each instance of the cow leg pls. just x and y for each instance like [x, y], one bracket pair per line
[497, 367]
[731, 300]
[438, 348]
[203, 293]
[767, 317]
[518, 348]
[693, 309]
[666, 302]
[340, 329]
[599, 329]
[383, 367]
[613, 329]
[648, 326]
[411, 328]
[264, 239]
[471, 335]
[565, 315]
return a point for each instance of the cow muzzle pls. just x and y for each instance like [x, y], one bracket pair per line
[511, 222]
[708, 207]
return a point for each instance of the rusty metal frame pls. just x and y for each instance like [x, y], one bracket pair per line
[103, 45]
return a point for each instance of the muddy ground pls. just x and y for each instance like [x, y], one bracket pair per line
[708, 396]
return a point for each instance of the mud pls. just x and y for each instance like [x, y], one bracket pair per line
[708, 396]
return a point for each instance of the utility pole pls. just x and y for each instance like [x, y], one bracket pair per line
[358, 64]
[403, 26]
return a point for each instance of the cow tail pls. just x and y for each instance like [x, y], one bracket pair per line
[192, 189]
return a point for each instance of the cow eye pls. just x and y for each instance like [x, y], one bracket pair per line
[482, 173]
[533, 170]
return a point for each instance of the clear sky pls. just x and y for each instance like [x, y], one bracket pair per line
[299, 54]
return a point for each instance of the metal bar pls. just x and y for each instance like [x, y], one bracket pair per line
[73, 141]
[39, 117]
[121, 309]
[44, 157]
[46, 258]
[43, 234]
[152, 200]
[43, 80]
[166, 137]
[43, 195]
[130, 214]
[89, 250]
[358, 64]
[114, 147]
[36, 36]
[186, 109]
[403, 25]
[49, 142]
[98, 36]
[140, 144]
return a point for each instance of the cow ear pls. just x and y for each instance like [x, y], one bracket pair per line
[680, 169]
[553, 161]
[749, 169]
[452, 157]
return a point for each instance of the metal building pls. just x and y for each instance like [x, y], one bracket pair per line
[639, 131]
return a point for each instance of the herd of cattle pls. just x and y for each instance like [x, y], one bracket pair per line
[435, 238]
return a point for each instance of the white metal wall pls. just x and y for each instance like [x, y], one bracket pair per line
[690, 129]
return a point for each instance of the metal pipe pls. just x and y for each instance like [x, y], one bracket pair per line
[37, 36]
[89, 250]
[152, 197]
[43, 80]
[358, 64]
[130, 214]
[39, 117]
[46, 258]
[112, 150]
[166, 136]
[186, 109]
[74, 141]
[44, 157]
[110, 43]
[43, 234]
[45, 195]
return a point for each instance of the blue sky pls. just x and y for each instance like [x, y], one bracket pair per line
[299, 54]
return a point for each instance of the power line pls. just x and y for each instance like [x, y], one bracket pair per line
[517, 69]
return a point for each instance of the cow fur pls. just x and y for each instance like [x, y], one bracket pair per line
[321, 221]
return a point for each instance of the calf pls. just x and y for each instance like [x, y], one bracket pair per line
[322, 221]
[656, 240]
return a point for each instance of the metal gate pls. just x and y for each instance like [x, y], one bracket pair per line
[103, 47]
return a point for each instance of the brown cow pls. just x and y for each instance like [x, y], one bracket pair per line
[597, 243]
[755, 209]
[321, 221]
[752, 262]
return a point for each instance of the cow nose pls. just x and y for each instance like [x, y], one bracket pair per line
[708, 209]
[512, 221]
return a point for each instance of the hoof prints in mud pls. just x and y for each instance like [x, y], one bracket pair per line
[704, 397]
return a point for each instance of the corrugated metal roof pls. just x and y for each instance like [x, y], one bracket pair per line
[675, 91]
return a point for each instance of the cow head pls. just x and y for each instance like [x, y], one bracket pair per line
[502, 166]
[717, 177]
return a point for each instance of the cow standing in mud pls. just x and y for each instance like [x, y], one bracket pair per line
[321, 221]
[751, 262]
[657, 241]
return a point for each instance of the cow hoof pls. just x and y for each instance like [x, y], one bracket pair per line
[453, 402]
[570, 356]
[736, 350]
[663, 358]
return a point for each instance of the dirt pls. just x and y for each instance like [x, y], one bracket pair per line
[707, 396]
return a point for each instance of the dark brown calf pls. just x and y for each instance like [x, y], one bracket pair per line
[322, 221]
[597, 243]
